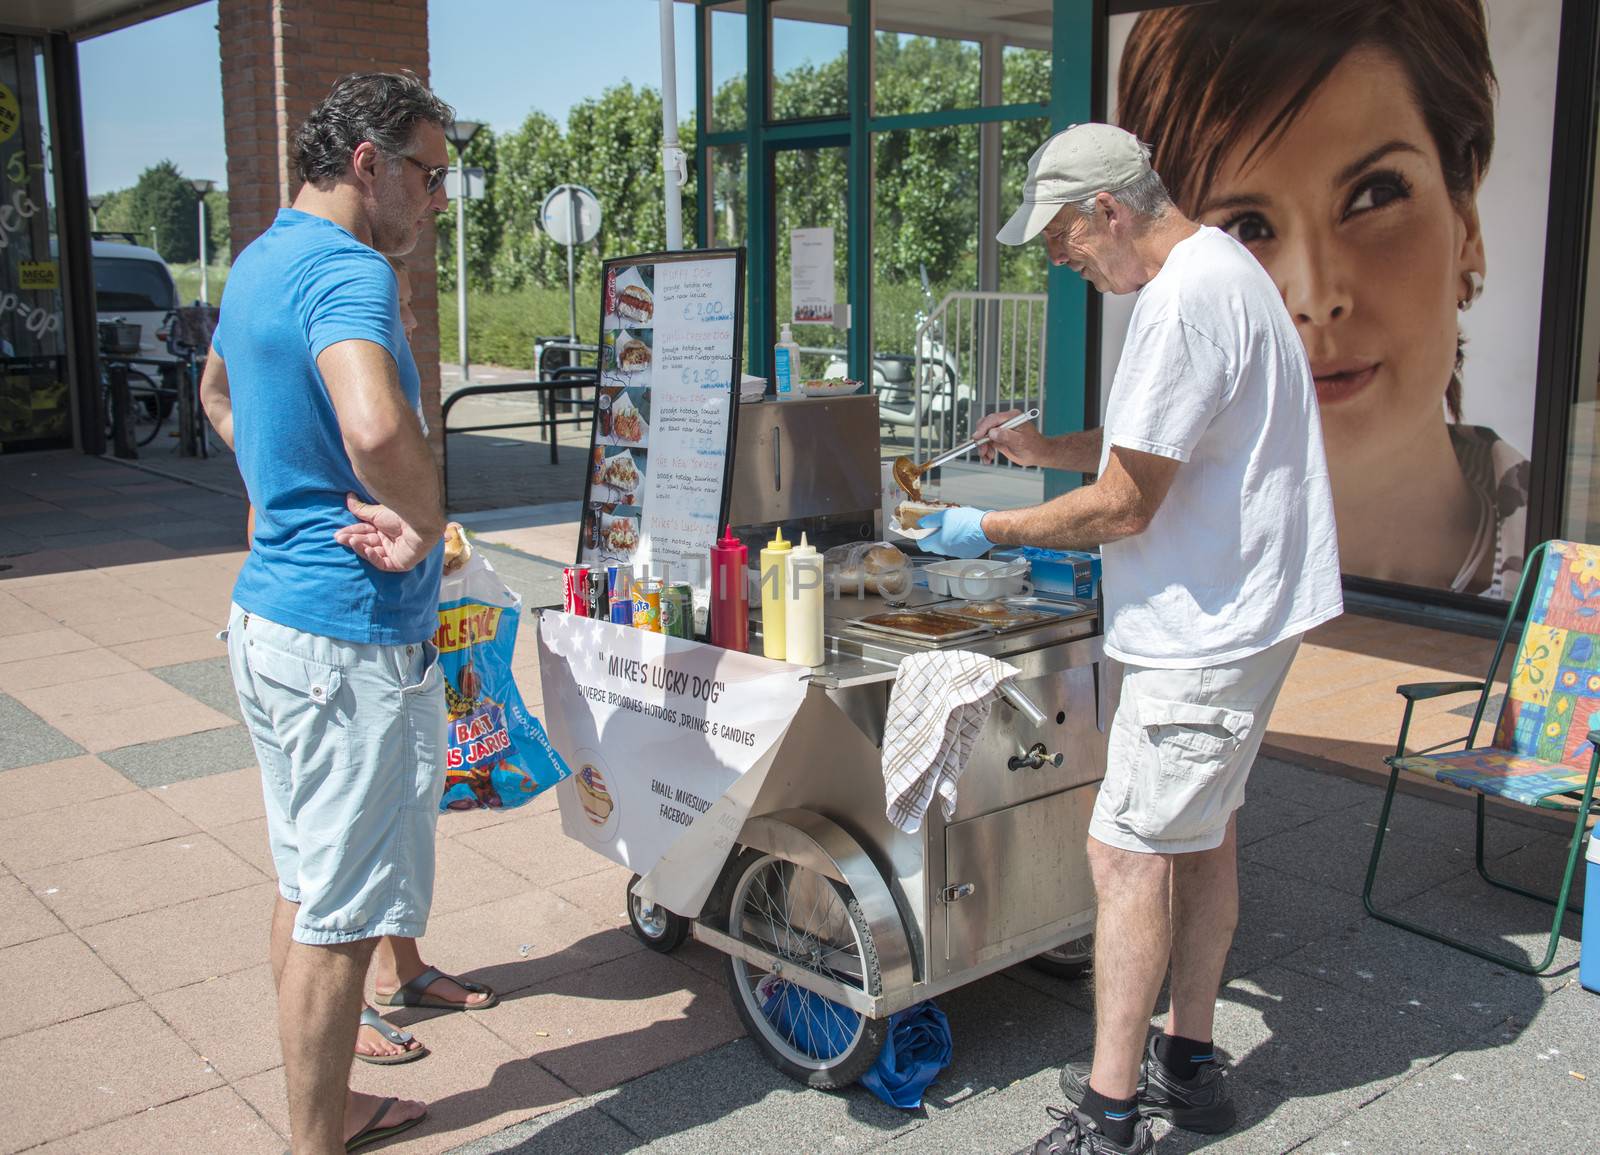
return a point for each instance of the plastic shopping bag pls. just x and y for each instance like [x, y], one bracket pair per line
[916, 1050]
[497, 754]
[815, 1026]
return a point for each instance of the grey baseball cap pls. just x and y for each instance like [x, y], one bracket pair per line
[1073, 165]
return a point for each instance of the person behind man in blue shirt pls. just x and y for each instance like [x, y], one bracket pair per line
[310, 381]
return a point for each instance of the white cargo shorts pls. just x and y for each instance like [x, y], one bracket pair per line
[1182, 744]
[351, 744]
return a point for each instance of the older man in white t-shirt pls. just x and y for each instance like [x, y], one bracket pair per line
[1212, 509]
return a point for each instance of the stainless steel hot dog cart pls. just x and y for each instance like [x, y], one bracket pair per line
[831, 918]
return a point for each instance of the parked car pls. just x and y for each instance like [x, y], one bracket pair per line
[133, 284]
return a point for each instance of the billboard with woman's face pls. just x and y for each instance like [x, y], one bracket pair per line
[1348, 145]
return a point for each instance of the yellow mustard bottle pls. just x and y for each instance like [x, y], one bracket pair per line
[774, 561]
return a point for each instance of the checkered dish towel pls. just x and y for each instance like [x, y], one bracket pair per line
[940, 701]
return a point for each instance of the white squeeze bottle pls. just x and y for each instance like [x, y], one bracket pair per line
[786, 365]
[802, 605]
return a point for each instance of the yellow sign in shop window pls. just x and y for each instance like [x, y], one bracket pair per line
[40, 275]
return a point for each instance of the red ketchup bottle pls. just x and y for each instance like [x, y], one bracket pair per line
[730, 594]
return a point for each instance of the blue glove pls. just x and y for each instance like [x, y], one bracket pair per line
[957, 532]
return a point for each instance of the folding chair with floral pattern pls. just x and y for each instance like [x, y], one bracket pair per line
[1544, 753]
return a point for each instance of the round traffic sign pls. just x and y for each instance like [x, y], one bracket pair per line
[571, 215]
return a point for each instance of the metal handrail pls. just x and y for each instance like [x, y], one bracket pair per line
[566, 378]
[990, 353]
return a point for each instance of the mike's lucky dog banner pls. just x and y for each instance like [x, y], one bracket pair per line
[669, 742]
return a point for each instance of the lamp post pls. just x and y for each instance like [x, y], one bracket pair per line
[95, 202]
[460, 134]
[201, 187]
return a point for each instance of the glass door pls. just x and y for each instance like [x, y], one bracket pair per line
[811, 226]
[35, 402]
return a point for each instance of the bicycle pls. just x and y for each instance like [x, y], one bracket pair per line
[149, 403]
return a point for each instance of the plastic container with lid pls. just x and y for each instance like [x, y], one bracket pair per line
[774, 563]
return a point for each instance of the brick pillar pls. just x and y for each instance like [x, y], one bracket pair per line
[279, 58]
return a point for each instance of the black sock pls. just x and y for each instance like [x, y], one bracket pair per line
[1115, 1117]
[1182, 1057]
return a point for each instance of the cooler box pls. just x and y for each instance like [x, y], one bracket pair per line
[1070, 573]
[1589, 958]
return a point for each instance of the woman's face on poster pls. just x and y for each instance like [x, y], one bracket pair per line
[1349, 212]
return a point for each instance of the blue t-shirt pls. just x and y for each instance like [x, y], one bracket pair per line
[299, 287]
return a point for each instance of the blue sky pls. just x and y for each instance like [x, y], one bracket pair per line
[495, 60]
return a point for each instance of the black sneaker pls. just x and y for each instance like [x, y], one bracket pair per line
[1076, 1134]
[1200, 1104]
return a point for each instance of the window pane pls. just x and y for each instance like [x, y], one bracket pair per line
[726, 217]
[1022, 267]
[808, 188]
[810, 47]
[924, 74]
[1025, 78]
[725, 68]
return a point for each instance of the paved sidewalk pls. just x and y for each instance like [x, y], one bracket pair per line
[135, 886]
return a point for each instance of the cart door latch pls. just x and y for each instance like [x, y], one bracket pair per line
[957, 891]
[1034, 758]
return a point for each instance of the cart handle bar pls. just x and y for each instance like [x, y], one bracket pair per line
[1020, 702]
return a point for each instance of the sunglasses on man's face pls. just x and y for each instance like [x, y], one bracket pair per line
[435, 173]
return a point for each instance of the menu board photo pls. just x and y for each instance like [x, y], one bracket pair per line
[664, 416]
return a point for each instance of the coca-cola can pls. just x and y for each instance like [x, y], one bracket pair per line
[599, 599]
[575, 590]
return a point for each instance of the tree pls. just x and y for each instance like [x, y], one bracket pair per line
[163, 211]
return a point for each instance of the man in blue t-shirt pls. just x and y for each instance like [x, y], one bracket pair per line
[312, 384]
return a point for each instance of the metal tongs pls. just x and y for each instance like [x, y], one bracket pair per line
[907, 472]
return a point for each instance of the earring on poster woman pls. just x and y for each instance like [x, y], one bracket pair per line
[1474, 290]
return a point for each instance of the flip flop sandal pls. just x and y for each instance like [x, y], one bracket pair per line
[414, 994]
[372, 1133]
[371, 1018]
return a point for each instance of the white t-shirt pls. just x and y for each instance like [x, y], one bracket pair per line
[1242, 553]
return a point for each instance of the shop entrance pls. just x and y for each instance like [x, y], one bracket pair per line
[35, 398]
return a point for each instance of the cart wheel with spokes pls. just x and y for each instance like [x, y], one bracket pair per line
[1070, 960]
[812, 923]
[656, 926]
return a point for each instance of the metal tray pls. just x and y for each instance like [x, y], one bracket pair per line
[886, 624]
[1017, 617]
[1058, 607]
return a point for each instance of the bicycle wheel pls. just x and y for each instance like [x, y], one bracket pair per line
[813, 923]
[147, 409]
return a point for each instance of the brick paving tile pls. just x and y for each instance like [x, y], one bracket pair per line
[63, 979]
[119, 691]
[602, 895]
[218, 799]
[95, 890]
[463, 878]
[536, 849]
[249, 841]
[86, 829]
[170, 649]
[604, 1025]
[215, 1121]
[17, 617]
[23, 917]
[522, 942]
[231, 1019]
[135, 725]
[142, 626]
[188, 943]
[92, 1070]
[473, 1082]
[41, 643]
[48, 785]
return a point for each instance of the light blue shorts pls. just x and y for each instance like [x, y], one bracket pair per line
[351, 743]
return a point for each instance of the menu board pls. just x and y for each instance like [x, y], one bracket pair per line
[665, 410]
